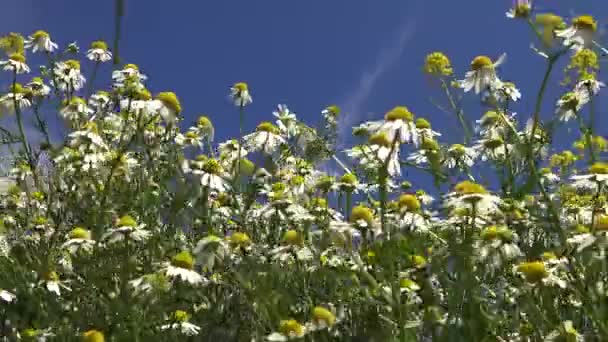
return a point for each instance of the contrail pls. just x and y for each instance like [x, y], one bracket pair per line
[352, 105]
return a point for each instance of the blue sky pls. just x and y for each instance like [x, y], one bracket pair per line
[365, 56]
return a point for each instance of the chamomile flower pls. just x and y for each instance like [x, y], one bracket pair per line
[503, 91]
[496, 246]
[596, 177]
[16, 95]
[93, 336]
[38, 88]
[80, 239]
[482, 74]
[588, 87]
[190, 138]
[322, 318]
[151, 282]
[75, 109]
[179, 322]
[467, 194]
[385, 153]
[288, 330]
[40, 40]
[15, 63]
[129, 76]
[51, 282]
[521, 9]
[565, 332]
[580, 34]
[181, 267]
[286, 121]
[548, 271]
[205, 129]
[399, 124]
[38, 335]
[239, 94]
[167, 105]
[68, 76]
[211, 173]
[7, 296]
[570, 104]
[460, 156]
[126, 227]
[99, 52]
[266, 138]
[597, 235]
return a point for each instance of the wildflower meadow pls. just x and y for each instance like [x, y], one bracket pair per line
[140, 226]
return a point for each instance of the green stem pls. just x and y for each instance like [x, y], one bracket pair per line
[458, 111]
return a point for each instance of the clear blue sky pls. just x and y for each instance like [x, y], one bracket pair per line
[363, 55]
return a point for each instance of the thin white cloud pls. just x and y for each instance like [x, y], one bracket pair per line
[355, 101]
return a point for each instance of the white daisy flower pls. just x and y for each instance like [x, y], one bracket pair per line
[180, 323]
[150, 282]
[597, 176]
[80, 239]
[129, 75]
[288, 330]
[167, 105]
[99, 52]
[191, 138]
[239, 94]
[550, 271]
[68, 75]
[570, 104]
[16, 94]
[126, 227]
[205, 129]
[580, 34]
[75, 109]
[52, 283]
[16, 63]
[40, 40]
[565, 332]
[589, 87]
[399, 124]
[100, 101]
[38, 335]
[211, 173]
[266, 138]
[7, 296]
[469, 195]
[323, 318]
[286, 121]
[38, 88]
[503, 91]
[520, 9]
[460, 156]
[482, 74]
[181, 267]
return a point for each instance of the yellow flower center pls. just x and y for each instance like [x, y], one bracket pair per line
[333, 110]
[422, 123]
[40, 34]
[204, 122]
[80, 233]
[127, 221]
[291, 327]
[321, 314]
[17, 57]
[458, 149]
[534, 271]
[468, 187]
[363, 213]
[429, 145]
[585, 22]
[191, 135]
[522, 10]
[380, 139]
[481, 62]
[599, 168]
[293, 237]
[296, 180]
[349, 178]
[241, 86]
[180, 316]
[267, 126]
[93, 336]
[51, 276]
[183, 260]
[131, 66]
[409, 202]
[239, 239]
[170, 100]
[601, 223]
[399, 113]
[17, 88]
[492, 144]
[73, 64]
[549, 19]
[490, 233]
[99, 44]
[418, 261]
[406, 283]
[212, 166]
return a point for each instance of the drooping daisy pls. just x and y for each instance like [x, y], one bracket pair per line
[17, 94]
[547, 271]
[589, 87]
[37, 87]
[204, 128]
[496, 246]
[15, 63]
[181, 267]
[126, 227]
[399, 124]
[521, 9]
[322, 318]
[482, 74]
[80, 239]
[460, 156]
[266, 138]
[40, 40]
[190, 138]
[179, 322]
[68, 75]
[167, 105]
[99, 52]
[386, 152]
[580, 34]
[570, 104]
[239, 94]
[51, 282]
